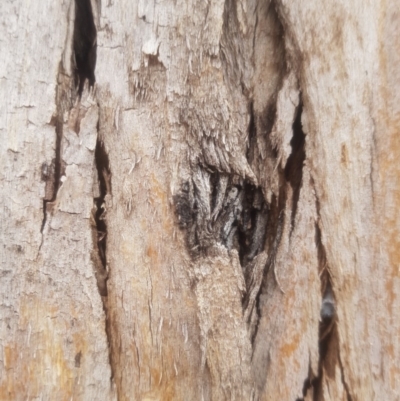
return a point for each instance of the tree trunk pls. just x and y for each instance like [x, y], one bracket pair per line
[200, 200]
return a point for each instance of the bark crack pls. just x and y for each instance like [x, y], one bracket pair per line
[102, 202]
[328, 346]
[294, 164]
[84, 61]
[85, 45]
[345, 384]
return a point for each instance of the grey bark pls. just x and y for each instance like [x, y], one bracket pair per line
[199, 200]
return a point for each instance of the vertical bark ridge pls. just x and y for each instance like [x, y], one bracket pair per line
[280, 160]
[53, 341]
[85, 53]
[348, 250]
[102, 201]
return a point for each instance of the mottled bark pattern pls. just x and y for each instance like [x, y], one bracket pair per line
[199, 200]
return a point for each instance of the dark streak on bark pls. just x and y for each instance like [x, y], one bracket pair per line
[85, 49]
[99, 255]
[345, 385]
[100, 216]
[294, 164]
[52, 173]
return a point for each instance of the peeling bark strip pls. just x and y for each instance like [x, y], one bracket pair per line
[248, 247]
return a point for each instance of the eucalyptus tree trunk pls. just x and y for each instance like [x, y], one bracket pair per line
[200, 200]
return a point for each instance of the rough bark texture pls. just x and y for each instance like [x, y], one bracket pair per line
[52, 336]
[199, 200]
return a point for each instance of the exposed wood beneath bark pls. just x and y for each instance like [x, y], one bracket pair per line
[199, 200]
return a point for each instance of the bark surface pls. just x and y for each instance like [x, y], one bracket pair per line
[199, 200]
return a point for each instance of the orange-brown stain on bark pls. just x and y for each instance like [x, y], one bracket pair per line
[390, 175]
[166, 393]
[387, 196]
[159, 200]
[8, 387]
[389, 144]
[153, 255]
[287, 349]
[157, 370]
[38, 364]
[389, 171]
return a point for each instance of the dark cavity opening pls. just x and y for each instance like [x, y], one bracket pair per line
[84, 44]
[252, 224]
[294, 165]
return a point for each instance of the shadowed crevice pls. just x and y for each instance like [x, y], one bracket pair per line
[84, 44]
[104, 179]
[99, 255]
[328, 342]
[294, 164]
[100, 231]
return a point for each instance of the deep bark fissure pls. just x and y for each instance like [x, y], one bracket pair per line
[104, 179]
[255, 243]
[84, 44]
[345, 384]
[328, 345]
[100, 215]
[308, 383]
[99, 256]
[328, 305]
[84, 51]
[294, 164]
[84, 61]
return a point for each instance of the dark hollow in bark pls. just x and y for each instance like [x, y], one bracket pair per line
[84, 44]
